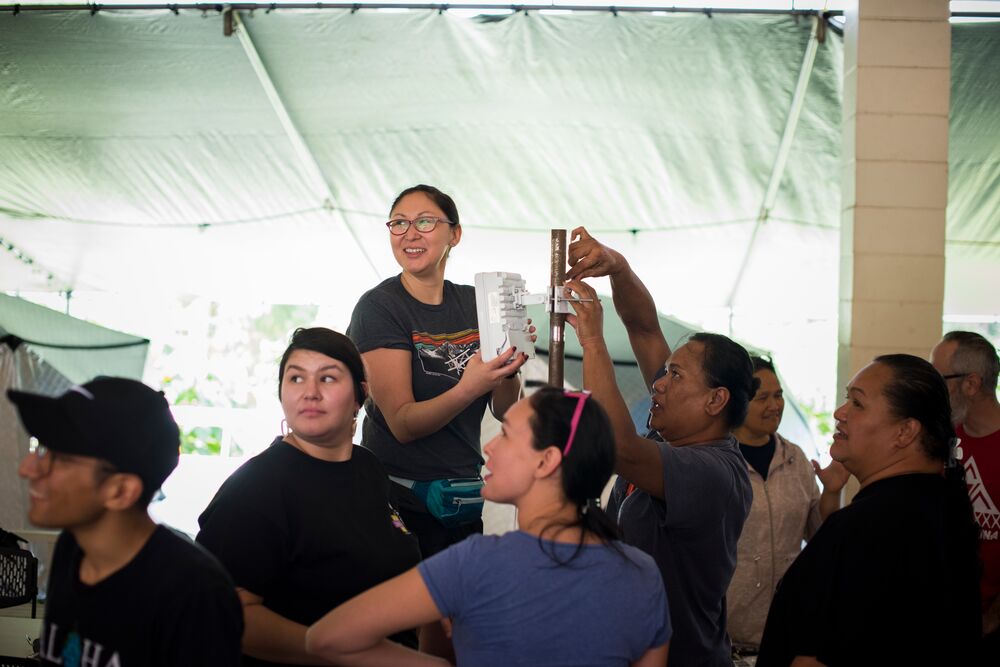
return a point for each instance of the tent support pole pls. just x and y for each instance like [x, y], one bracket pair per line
[310, 168]
[780, 160]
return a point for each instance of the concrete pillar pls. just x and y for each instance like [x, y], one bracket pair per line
[897, 73]
[894, 181]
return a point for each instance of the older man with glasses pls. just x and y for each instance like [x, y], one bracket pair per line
[969, 364]
[122, 590]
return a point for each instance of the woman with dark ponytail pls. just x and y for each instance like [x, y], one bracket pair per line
[561, 590]
[893, 577]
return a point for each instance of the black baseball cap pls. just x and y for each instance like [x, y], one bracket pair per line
[119, 420]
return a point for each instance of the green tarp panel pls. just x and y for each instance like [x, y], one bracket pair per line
[139, 153]
[77, 349]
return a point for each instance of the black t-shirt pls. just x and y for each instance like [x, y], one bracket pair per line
[440, 339]
[759, 456]
[306, 534]
[171, 605]
[891, 579]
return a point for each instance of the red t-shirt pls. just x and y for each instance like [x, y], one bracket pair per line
[981, 459]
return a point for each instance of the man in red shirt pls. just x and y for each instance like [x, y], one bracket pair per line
[968, 362]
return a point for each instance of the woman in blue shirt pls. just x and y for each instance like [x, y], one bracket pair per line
[561, 590]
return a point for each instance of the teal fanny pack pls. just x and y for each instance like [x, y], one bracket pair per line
[453, 502]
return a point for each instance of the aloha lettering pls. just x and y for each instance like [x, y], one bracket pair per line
[70, 653]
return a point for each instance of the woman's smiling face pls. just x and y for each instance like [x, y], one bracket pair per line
[422, 253]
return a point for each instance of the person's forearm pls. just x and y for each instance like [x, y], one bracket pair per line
[384, 654]
[806, 661]
[636, 458]
[505, 395]
[991, 618]
[420, 419]
[638, 313]
[268, 636]
[633, 302]
[829, 502]
[599, 378]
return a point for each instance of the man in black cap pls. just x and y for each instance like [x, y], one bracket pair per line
[122, 590]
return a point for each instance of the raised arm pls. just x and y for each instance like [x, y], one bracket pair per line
[391, 382]
[588, 257]
[354, 634]
[636, 458]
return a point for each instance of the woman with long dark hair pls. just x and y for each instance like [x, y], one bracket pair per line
[891, 579]
[561, 590]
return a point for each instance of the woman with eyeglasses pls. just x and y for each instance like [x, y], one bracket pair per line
[419, 336]
[787, 508]
[560, 590]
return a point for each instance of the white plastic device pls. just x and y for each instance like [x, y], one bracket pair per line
[501, 300]
[503, 318]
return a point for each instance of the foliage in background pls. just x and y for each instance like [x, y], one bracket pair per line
[820, 420]
[200, 392]
[205, 440]
[226, 357]
[280, 321]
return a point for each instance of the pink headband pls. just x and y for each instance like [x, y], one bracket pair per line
[581, 397]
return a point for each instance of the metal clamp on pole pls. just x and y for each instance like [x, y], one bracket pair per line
[559, 299]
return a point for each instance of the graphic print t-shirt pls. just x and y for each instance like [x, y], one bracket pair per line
[981, 459]
[441, 339]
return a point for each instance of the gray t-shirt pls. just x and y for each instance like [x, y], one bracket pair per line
[512, 604]
[440, 339]
[692, 536]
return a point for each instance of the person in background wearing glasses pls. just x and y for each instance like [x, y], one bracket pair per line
[683, 501]
[419, 336]
[122, 590]
[969, 364]
[560, 590]
[787, 508]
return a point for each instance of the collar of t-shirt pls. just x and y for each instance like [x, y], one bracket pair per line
[759, 457]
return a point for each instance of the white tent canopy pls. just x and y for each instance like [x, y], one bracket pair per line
[142, 153]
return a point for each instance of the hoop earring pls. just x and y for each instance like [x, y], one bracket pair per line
[284, 428]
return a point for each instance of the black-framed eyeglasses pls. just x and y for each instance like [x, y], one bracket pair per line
[45, 458]
[423, 224]
[952, 376]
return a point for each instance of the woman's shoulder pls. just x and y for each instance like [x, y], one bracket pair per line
[793, 454]
[363, 459]
[789, 446]
[460, 291]
[388, 289]
[642, 560]
[260, 469]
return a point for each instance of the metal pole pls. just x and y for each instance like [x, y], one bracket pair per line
[557, 321]
[94, 7]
